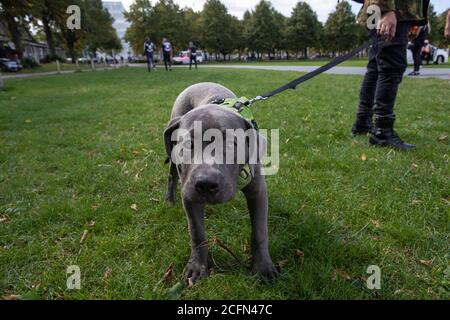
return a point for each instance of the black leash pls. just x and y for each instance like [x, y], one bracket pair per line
[293, 84]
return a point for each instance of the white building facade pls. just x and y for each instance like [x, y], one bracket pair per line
[116, 9]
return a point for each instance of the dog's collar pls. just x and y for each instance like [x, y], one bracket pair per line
[245, 177]
[239, 105]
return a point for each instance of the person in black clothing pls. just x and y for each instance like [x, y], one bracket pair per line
[192, 55]
[166, 50]
[416, 46]
[149, 48]
[385, 69]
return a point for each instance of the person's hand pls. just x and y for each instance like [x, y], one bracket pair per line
[447, 31]
[387, 25]
[447, 26]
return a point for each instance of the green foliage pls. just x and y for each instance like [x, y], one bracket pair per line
[219, 29]
[29, 63]
[263, 33]
[304, 30]
[341, 28]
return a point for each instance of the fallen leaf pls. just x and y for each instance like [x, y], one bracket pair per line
[134, 207]
[137, 176]
[443, 138]
[376, 223]
[341, 273]
[3, 218]
[136, 152]
[168, 274]
[376, 238]
[190, 283]
[154, 199]
[363, 157]
[11, 297]
[245, 247]
[107, 273]
[416, 201]
[282, 263]
[298, 254]
[427, 263]
[83, 237]
[91, 224]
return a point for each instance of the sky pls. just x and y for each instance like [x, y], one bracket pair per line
[322, 7]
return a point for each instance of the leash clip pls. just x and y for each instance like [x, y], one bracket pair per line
[256, 99]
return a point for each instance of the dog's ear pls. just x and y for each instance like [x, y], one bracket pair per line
[173, 124]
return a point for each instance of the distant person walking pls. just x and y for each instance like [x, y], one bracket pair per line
[166, 50]
[418, 35]
[192, 55]
[149, 49]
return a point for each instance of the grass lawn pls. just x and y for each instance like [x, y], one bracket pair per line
[87, 147]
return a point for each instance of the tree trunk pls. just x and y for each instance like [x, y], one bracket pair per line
[49, 36]
[16, 36]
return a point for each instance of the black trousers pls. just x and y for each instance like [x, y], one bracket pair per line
[167, 62]
[385, 69]
[417, 56]
[193, 58]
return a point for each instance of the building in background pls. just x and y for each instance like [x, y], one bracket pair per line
[116, 9]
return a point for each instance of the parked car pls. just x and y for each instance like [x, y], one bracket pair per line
[440, 56]
[183, 57]
[9, 65]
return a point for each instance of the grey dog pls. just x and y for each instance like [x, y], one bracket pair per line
[212, 183]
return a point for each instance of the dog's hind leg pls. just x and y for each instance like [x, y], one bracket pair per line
[171, 183]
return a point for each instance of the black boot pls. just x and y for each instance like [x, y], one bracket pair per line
[387, 137]
[362, 125]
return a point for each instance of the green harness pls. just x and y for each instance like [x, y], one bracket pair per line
[242, 107]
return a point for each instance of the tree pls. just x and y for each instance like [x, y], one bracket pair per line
[14, 13]
[438, 37]
[218, 28]
[100, 33]
[304, 29]
[341, 28]
[262, 31]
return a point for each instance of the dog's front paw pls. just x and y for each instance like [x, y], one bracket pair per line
[265, 268]
[195, 270]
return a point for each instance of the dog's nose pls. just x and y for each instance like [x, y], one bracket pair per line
[205, 185]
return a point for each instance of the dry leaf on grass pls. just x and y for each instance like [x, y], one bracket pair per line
[298, 254]
[107, 273]
[376, 223]
[282, 263]
[3, 218]
[443, 138]
[363, 157]
[341, 274]
[190, 283]
[91, 224]
[83, 237]
[428, 263]
[134, 207]
[11, 297]
[416, 201]
[168, 274]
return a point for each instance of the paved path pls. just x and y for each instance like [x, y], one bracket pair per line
[439, 73]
